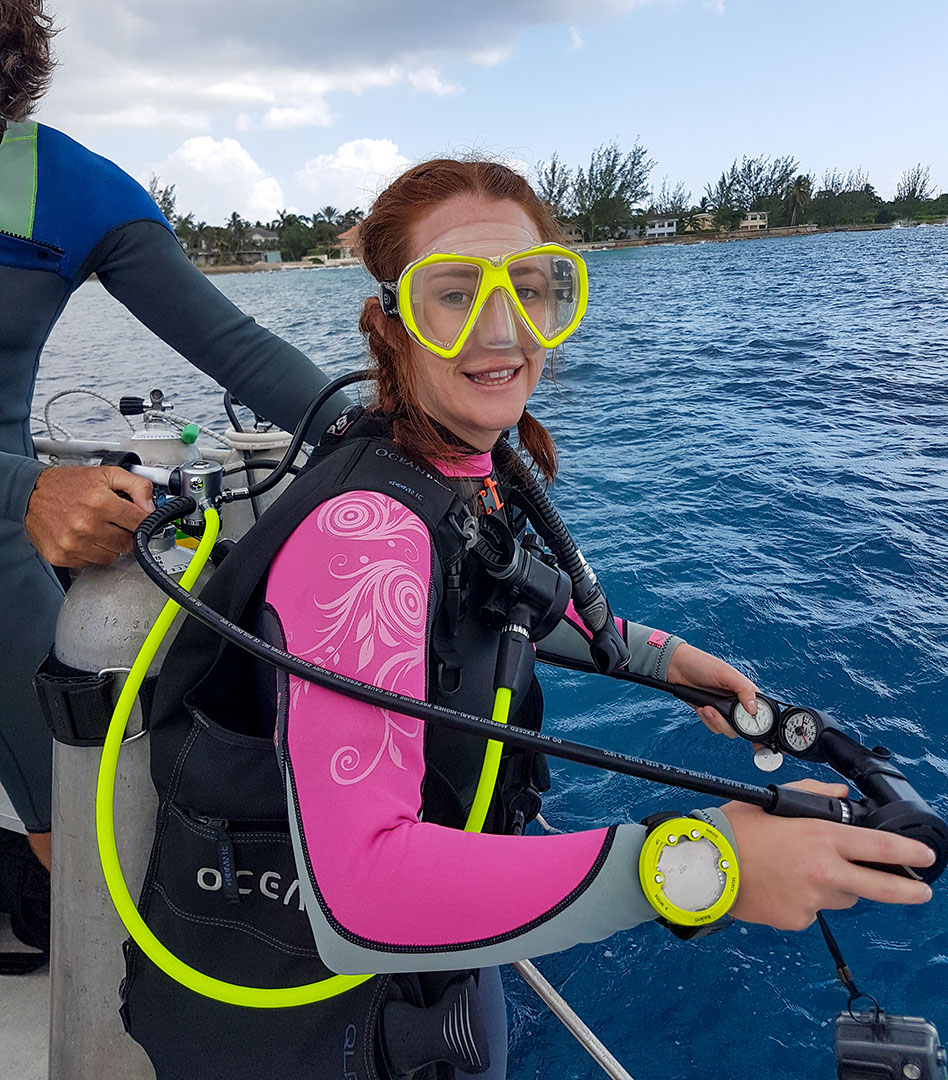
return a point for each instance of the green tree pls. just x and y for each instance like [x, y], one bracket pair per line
[350, 219]
[798, 198]
[163, 196]
[721, 200]
[670, 200]
[913, 189]
[554, 184]
[236, 231]
[605, 194]
[688, 221]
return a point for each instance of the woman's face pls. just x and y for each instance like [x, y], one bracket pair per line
[485, 388]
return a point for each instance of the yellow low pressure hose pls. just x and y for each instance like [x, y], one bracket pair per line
[253, 997]
[491, 766]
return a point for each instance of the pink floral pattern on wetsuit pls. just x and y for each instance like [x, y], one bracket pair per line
[370, 612]
[351, 589]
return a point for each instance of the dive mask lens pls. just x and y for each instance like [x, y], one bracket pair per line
[549, 287]
[441, 297]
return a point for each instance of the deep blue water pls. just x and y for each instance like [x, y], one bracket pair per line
[754, 442]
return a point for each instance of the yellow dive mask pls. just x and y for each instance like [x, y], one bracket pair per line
[440, 297]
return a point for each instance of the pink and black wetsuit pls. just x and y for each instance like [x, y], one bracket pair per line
[388, 889]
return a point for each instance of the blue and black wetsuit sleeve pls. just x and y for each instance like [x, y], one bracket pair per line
[143, 266]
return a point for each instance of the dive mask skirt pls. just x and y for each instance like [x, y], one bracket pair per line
[440, 296]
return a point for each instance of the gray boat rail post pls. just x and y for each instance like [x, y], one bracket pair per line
[562, 1010]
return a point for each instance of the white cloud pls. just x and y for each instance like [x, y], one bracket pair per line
[428, 81]
[499, 54]
[190, 61]
[213, 177]
[350, 176]
[314, 114]
[575, 40]
[150, 116]
[715, 6]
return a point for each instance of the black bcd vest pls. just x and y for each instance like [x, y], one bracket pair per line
[221, 889]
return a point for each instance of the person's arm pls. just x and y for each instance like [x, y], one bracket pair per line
[385, 890]
[143, 266]
[659, 655]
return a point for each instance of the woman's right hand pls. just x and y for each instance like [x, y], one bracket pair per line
[790, 868]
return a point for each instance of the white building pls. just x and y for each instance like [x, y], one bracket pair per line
[660, 226]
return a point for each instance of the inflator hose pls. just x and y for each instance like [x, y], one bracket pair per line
[250, 996]
[608, 648]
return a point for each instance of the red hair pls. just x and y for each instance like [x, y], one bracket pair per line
[383, 241]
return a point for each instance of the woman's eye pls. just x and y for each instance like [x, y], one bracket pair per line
[526, 293]
[455, 298]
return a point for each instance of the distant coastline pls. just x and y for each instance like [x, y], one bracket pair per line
[726, 237]
[599, 245]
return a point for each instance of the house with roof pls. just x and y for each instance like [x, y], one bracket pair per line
[347, 242]
[753, 219]
[660, 225]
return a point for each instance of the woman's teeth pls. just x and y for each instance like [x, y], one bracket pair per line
[494, 377]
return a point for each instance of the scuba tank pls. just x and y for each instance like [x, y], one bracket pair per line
[106, 613]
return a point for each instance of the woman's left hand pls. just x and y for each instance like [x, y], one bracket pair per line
[693, 667]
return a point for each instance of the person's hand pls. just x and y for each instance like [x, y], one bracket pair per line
[692, 667]
[790, 868]
[76, 518]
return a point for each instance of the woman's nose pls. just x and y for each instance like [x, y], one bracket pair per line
[497, 323]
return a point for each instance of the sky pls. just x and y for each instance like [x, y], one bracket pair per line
[299, 104]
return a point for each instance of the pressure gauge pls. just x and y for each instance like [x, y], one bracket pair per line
[756, 726]
[799, 730]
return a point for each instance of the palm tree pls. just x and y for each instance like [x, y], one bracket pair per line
[329, 214]
[237, 230]
[798, 197]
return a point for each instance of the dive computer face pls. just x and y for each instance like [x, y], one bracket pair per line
[753, 726]
[799, 730]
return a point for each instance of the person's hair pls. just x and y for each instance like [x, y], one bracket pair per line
[26, 61]
[383, 243]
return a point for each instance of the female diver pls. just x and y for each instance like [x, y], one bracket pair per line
[370, 576]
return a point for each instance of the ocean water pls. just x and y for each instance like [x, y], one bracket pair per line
[754, 446]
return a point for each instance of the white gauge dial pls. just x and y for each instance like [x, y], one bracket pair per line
[753, 726]
[799, 730]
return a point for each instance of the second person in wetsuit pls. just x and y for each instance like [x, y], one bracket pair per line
[65, 214]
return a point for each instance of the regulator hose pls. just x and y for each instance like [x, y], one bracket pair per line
[608, 648]
[232, 994]
[299, 435]
[466, 723]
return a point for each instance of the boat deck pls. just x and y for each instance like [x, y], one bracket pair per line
[24, 1017]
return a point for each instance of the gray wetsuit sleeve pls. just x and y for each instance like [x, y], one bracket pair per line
[650, 650]
[143, 267]
[611, 899]
[17, 479]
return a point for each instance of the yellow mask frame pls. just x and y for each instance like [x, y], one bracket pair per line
[395, 296]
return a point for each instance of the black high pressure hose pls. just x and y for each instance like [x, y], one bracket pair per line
[299, 435]
[782, 801]
[608, 648]
[467, 723]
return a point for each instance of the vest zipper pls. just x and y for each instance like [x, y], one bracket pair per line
[30, 240]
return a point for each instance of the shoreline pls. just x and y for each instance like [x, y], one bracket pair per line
[599, 245]
[260, 267]
[722, 238]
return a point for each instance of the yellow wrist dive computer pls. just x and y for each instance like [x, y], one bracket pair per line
[689, 874]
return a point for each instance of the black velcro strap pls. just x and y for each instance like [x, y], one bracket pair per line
[21, 963]
[78, 705]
